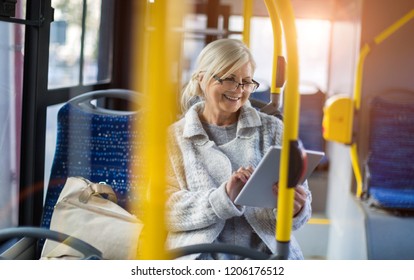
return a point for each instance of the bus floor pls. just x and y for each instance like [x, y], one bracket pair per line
[313, 237]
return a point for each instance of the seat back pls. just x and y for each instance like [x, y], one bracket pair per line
[390, 164]
[97, 144]
[310, 124]
[311, 115]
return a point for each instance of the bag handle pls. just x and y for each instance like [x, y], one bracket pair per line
[97, 189]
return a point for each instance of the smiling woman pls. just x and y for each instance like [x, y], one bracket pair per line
[213, 150]
[55, 50]
[224, 97]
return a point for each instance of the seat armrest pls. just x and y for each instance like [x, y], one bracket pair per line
[24, 249]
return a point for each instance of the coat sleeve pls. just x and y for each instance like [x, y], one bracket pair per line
[189, 209]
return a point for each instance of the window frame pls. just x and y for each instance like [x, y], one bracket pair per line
[37, 97]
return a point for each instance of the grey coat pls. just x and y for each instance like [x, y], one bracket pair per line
[197, 203]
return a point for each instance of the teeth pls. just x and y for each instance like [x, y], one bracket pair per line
[232, 98]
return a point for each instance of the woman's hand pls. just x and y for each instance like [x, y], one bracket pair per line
[237, 181]
[299, 199]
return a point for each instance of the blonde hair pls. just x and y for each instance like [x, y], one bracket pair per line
[221, 57]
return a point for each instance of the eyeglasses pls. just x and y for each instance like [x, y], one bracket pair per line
[231, 85]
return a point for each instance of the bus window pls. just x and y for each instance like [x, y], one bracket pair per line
[313, 48]
[76, 46]
[80, 53]
[193, 43]
[11, 74]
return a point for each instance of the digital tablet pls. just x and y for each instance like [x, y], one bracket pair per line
[257, 191]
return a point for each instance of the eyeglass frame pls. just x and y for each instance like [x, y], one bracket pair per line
[238, 84]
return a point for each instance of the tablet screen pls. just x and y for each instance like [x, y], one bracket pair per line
[257, 191]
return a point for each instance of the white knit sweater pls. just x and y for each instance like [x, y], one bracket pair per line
[198, 205]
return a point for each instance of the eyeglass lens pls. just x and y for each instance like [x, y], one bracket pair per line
[233, 85]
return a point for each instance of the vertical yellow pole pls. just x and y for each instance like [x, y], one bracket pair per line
[291, 119]
[155, 76]
[356, 168]
[277, 43]
[247, 17]
[277, 72]
[357, 103]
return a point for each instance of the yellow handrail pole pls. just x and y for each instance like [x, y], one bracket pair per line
[357, 101]
[154, 78]
[247, 17]
[366, 49]
[357, 169]
[358, 85]
[394, 27]
[154, 125]
[291, 119]
[276, 85]
[277, 43]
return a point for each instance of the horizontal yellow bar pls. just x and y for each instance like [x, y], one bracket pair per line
[319, 221]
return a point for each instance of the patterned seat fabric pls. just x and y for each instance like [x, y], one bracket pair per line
[391, 159]
[310, 124]
[97, 145]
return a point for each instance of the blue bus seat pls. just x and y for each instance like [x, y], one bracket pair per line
[390, 164]
[97, 144]
[262, 94]
[310, 118]
[310, 122]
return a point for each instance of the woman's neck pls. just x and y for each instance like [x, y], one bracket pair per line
[218, 119]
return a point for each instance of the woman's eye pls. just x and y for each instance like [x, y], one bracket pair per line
[230, 80]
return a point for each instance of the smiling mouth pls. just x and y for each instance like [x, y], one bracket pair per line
[231, 97]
